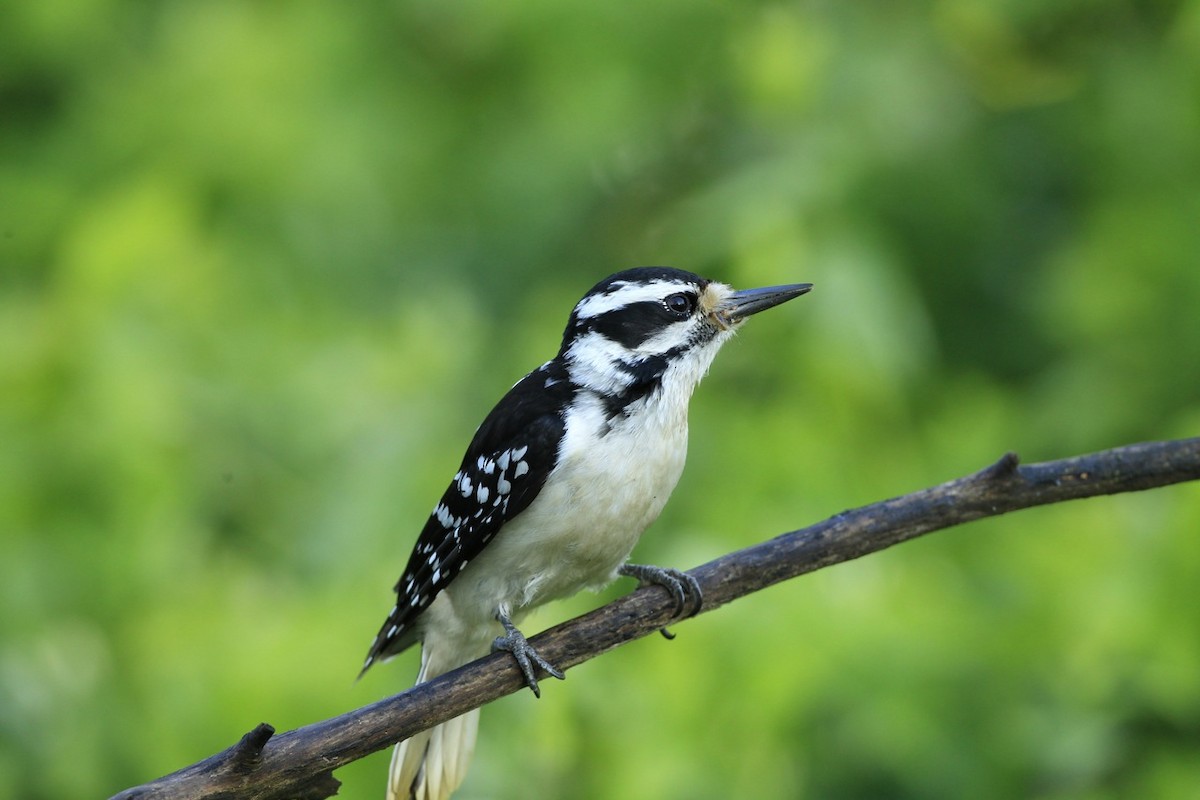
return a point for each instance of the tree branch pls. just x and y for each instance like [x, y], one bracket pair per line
[300, 763]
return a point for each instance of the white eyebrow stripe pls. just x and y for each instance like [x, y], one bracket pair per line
[626, 294]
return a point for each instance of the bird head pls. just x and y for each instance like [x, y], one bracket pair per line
[636, 327]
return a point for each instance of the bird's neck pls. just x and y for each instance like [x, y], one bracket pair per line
[629, 384]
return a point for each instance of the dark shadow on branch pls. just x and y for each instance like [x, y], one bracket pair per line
[300, 763]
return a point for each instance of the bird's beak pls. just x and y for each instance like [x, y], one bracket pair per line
[739, 305]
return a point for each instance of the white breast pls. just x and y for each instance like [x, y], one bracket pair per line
[605, 491]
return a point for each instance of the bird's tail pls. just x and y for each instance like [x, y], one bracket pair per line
[432, 764]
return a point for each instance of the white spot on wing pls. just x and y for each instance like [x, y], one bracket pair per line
[444, 516]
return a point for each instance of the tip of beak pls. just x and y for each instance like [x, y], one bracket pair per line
[792, 290]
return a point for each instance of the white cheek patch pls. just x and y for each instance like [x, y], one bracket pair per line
[596, 362]
[674, 335]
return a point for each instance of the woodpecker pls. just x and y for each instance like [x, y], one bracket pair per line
[556, 487]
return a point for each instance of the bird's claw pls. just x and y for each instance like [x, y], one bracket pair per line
[527, 658]
[682, 586]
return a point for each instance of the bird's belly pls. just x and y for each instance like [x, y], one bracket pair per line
[577, 532]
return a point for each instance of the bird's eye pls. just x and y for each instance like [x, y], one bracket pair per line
[681, 304]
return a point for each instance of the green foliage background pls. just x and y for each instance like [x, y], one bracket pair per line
[263, 266]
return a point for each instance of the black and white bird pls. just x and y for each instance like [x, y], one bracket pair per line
[556, 487]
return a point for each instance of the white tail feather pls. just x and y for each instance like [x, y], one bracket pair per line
[432, 764]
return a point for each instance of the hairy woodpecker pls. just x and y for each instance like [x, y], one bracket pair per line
[555, 489]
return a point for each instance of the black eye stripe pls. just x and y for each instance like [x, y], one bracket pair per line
[633, 324]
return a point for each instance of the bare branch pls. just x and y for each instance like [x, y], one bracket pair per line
[300, 763]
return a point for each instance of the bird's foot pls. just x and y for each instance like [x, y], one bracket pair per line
[527, 658]
[682, 586]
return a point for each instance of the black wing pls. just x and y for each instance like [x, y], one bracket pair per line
[504, 469]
